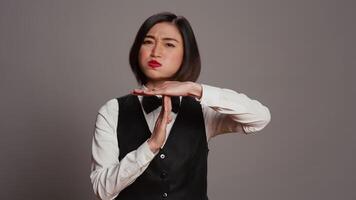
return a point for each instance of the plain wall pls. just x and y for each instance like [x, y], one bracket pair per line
[61, 60]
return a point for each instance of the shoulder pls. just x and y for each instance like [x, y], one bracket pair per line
[109, 107]
[124, 98]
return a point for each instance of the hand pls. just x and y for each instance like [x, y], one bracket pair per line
[173, 88]
[159, 133]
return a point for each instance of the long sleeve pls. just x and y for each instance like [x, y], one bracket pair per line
[227, 111]
[108, 175]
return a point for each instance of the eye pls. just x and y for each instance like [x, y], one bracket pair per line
[147, 42]
[170, 45]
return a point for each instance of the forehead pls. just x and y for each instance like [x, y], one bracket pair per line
[165, 30]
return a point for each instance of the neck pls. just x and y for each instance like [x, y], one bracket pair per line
[154, 84]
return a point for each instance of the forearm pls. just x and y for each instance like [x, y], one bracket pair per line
[232, 111]
[109, 180]
[109, 175]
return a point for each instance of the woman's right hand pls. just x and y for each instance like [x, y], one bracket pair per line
[159, 133]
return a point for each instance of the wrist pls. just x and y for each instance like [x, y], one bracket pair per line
[153, 145]
[196, 90]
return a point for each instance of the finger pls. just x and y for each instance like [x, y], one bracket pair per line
[166, 107]
[141, 91]
[145, 92]
[170, 118]
[137, 92]
[156, 91]
[169, 111]
[167, 104]
[162, 114]
[151, 92]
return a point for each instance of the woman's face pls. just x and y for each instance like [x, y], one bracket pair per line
[163, 44]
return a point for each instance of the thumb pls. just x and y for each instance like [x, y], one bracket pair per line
[169, 119]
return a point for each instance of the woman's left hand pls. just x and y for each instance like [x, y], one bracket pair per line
[173, 88]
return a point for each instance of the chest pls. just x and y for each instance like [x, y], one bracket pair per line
[185, 135]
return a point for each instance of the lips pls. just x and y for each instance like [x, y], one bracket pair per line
[154, 64]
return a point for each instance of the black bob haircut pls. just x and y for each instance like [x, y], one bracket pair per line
[191, 65]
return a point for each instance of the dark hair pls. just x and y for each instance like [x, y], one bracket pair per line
[190, 67]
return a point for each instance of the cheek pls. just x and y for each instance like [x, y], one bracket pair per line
[177, 58]
[142, 55]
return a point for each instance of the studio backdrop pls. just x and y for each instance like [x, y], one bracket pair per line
[60, 61]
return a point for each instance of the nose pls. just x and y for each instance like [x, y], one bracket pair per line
[156, 50]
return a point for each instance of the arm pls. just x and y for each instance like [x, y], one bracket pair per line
[108, 175]
[227, 111]
[224, 110]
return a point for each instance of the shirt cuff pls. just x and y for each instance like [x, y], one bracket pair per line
[210, 95]
[144, 154]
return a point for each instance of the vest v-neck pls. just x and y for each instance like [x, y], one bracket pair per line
[177, 119]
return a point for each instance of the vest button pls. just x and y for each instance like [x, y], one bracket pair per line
[162, 156]
[163, 175]
[165, 195]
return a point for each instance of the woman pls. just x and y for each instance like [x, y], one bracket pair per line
[153, 143]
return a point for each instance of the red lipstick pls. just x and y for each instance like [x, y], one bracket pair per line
[154, 64]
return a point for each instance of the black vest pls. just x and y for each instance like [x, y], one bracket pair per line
[179, 170]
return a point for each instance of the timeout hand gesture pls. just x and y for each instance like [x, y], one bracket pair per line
[167, 89]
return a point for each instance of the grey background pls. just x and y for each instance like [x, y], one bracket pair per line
[61, 60]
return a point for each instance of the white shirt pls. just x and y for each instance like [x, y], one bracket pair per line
[224, 111]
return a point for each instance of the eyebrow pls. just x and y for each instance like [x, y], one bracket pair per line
[166, 38]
